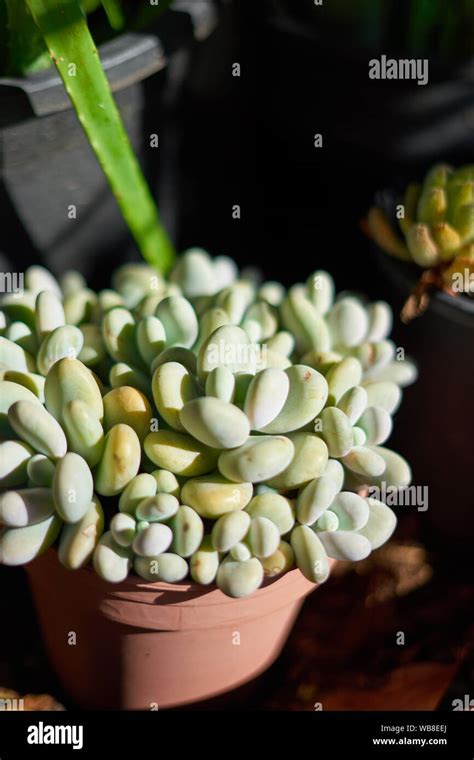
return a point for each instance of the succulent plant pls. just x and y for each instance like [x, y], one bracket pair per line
[203, 425]
[439, 215]
[437, 224]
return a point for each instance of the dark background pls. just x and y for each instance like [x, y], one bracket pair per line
[250, 140]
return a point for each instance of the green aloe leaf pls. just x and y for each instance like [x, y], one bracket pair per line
[114, 13]
[89, 6]
[146, 14]
[72, 49]
[27, 52]
[3, 36]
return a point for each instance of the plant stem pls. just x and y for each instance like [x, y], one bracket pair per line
[73, 51]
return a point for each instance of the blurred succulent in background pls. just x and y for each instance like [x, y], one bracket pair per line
[212, 426]
[437, 223]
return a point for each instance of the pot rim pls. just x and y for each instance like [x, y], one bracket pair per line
[134, 583]
[126, 59]
[163, 606]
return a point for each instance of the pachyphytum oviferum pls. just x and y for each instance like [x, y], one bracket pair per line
[229, 424]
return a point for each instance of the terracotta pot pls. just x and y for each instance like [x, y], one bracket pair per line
[142, 645]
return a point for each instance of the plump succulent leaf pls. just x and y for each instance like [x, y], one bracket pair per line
[223, 462]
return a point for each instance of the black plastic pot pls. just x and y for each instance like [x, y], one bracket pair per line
[435, 424]
[47, 165]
